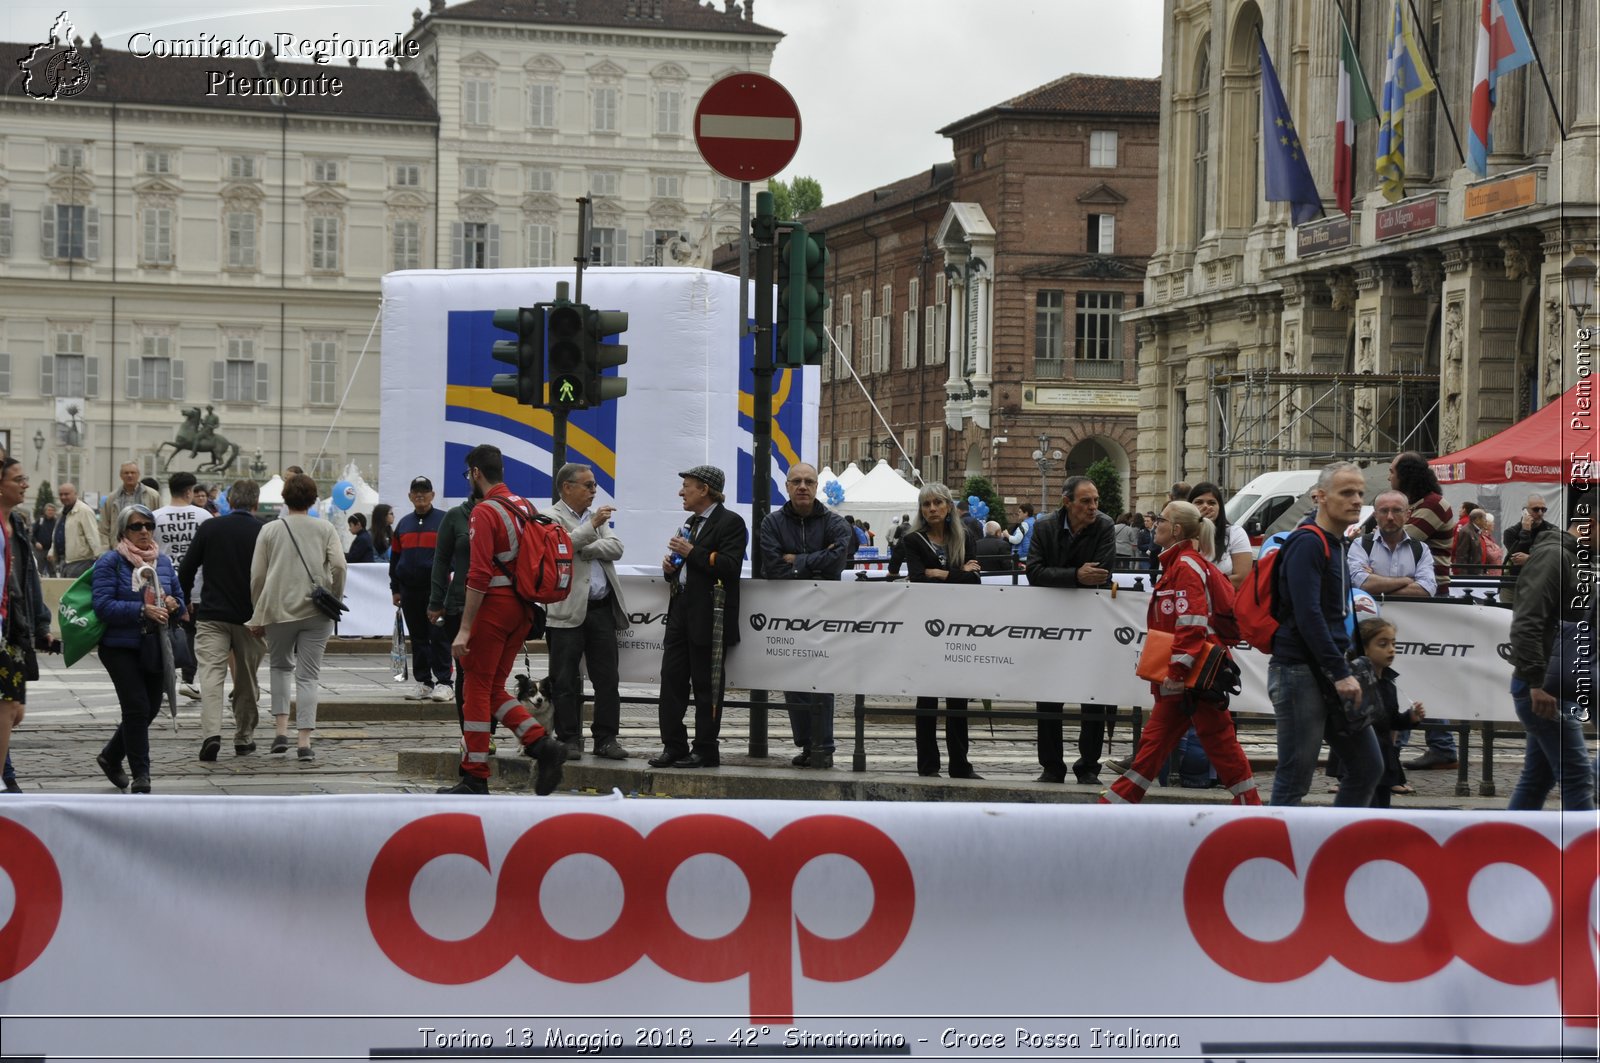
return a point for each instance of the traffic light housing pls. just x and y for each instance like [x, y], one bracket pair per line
[802, 297]
[525, 354]
[564, 347]
[598, 355]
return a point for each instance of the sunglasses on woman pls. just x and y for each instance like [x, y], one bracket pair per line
[140, 526]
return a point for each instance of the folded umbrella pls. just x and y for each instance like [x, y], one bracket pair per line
[169, 672]
[397, 649]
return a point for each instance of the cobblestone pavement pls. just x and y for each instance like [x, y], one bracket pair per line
[370, 740]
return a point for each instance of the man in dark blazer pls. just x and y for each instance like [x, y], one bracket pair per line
[1073, 547]
[710, 556]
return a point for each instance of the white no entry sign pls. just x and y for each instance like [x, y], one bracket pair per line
[747, 127]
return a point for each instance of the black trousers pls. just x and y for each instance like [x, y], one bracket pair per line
[1091, 737]
[593, 641]
[430, 650]
[139, 695]
[955, 736]
[683, 665]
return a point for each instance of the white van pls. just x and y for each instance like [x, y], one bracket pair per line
[1276, 501]
[1268, 503]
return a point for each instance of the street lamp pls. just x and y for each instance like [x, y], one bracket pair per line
[258, 468]
[1047, 461]
[1579, 277]
[38, 448]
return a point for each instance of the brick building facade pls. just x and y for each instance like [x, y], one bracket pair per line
[979, 303]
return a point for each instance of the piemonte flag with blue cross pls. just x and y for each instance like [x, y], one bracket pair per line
[1288, 173]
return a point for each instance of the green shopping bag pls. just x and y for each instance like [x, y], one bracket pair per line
[80, 628]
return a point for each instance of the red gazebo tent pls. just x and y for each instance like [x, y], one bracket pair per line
[1557, 444]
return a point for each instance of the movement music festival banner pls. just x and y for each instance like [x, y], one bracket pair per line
[421, 927]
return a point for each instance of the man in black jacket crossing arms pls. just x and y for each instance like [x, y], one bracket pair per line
[806, 540]
[1073, 547]
[221, 554]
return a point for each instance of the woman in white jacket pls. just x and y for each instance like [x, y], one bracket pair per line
[292, 553]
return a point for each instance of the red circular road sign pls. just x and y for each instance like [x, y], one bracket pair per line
[747, 127]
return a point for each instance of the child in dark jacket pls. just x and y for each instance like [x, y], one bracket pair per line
[1375, 639]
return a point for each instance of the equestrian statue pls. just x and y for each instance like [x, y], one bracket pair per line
[199, 435]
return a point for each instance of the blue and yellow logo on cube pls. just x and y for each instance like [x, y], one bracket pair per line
[788, 423]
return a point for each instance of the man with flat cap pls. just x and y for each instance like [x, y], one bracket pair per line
[702, 567]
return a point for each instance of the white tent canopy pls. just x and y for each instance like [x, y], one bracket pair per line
[851, 475]
[879, 498]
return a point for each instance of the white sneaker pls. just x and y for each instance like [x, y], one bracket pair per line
[443, 692]
[421, 692]
[190, 691]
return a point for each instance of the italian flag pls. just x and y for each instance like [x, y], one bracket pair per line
[1355, 105]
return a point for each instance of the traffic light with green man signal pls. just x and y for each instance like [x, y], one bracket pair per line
[565, 369]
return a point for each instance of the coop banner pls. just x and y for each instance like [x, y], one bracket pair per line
[689, 399]
[1021, 643]
[604, 926]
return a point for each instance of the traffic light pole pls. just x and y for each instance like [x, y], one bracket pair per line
[765, 234]
[558, 414]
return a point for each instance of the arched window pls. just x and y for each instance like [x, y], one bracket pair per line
[1240, 158]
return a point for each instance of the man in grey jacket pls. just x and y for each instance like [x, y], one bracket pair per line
[1557, 583]
[584, 626]
[806, 540]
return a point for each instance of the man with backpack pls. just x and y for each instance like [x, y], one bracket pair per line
[494, 623]
[1388, 561]
[1309, 678]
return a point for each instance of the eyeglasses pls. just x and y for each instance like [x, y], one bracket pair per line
[587, 485]
[140, 526]
[1538, 509]
[1159, 520]
[467, 473]
[804, 483]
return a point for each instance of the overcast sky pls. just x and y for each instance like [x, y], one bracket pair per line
[874, 78]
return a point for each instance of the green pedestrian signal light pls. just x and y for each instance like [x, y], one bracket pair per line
[598, 355]
[802, 297]
[564, 354]
[525, 354]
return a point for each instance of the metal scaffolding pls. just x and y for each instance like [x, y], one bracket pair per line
[1263, 420]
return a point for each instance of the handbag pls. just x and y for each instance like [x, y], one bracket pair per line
[320, 596]
[1155, 659]
[81, 629]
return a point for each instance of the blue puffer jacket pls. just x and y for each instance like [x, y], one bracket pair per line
[118, 605]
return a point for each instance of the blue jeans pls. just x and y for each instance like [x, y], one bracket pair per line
[1438, 733]
[1556, 752]
[1302, 722]
[811, 718]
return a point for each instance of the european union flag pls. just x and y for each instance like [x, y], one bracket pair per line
[1288, 174]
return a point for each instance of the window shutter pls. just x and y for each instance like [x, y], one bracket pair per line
[458, 245]
[47, 232]
[219, 381]
[263, 382]
[91, 234]
[134, 366]
[5, 230]
[649, 254]
[47, 376]
[91, 377]
[492, 260]
[177, 379]
[5, 373]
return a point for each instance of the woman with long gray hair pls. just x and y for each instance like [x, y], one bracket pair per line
[939, 551]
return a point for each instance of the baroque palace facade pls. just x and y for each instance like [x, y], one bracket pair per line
[162, 249]
[980, 303]
[1426, 324]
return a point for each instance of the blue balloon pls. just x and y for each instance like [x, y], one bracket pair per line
[344, 494]
[221, 502]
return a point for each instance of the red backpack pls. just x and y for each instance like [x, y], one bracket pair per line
[1220, 599]
[1254, 607]
[541, 568]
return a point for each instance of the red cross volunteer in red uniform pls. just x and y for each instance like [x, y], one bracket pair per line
[1181, 605]
[494, 624]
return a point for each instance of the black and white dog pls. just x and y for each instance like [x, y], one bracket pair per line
[538, 700]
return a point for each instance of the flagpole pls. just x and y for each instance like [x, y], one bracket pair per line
[1544, 77]
[1427, 53]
